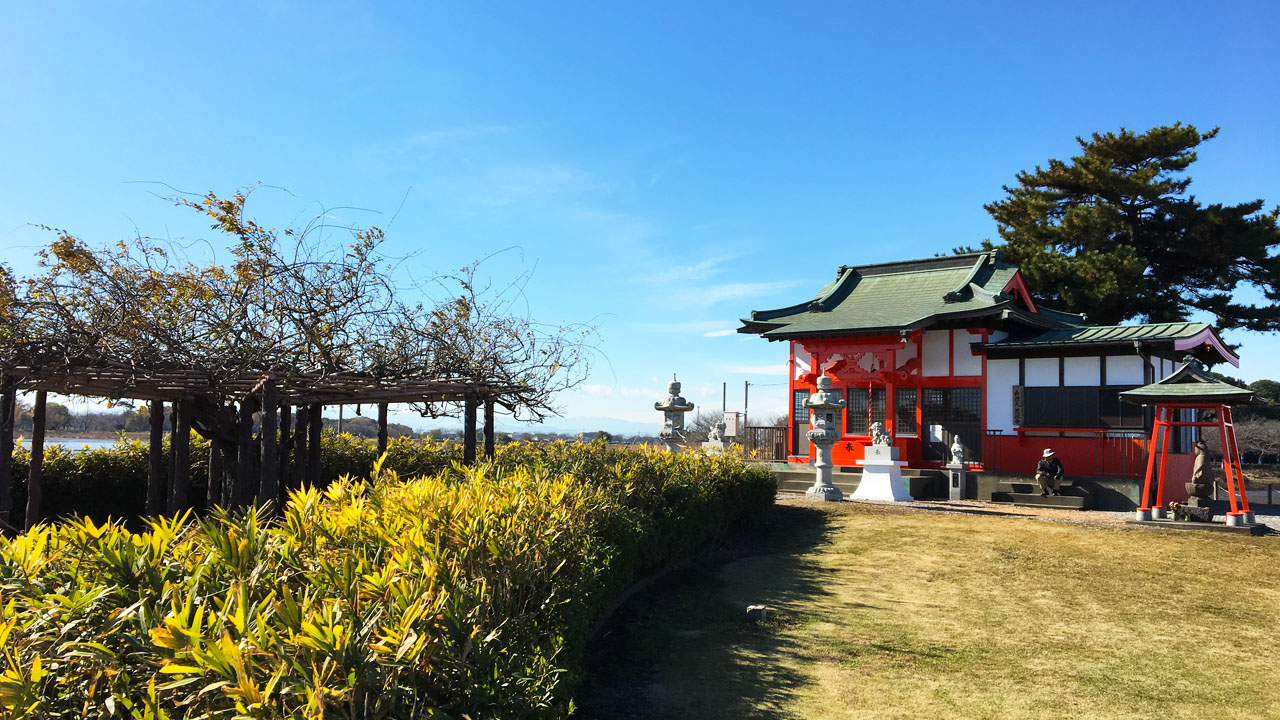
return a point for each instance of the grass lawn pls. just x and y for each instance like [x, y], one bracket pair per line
[886, 612]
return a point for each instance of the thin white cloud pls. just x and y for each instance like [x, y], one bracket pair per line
[719, 333]
[440, 139]
[707, 295]
[619, 391]
[508, 184]
[692, 273]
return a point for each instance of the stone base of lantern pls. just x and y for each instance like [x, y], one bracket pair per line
[825, 493]
[823, 489]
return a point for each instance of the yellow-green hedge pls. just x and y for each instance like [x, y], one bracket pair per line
[464, 594]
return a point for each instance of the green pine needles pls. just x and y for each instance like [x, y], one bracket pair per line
[1114, 234]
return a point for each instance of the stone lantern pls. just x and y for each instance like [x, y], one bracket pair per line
[825, 405]
[673, 407]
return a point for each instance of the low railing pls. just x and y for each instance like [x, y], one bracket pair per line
[1091, 452]
[1265, 495]
[767, 443]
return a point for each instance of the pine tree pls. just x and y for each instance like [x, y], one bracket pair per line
[1114, 234]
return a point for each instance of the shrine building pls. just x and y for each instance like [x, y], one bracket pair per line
[956, 346]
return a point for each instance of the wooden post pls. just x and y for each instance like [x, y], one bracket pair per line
[316, 426]
[36, 469]
[180, 448]
[213, 497]
[489, 439]
[286, 453]
[382, 429]
[156, 490]
[245, 489]
[8, 405]
[469, 430]
[172, 459]
[300, 454]
[267, 489]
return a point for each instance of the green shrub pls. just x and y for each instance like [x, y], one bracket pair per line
[111, 483]
[102, 483]
[468, 593]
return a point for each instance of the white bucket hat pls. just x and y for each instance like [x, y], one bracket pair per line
[1048, 452]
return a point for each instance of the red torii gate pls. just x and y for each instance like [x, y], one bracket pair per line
[1191, 388]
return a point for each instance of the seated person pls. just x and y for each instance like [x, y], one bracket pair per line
[1049, 473]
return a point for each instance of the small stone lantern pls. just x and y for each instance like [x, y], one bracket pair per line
[673, 407]
[825, 405]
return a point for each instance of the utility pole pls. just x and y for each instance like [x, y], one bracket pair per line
[746, 393]
[724, 397]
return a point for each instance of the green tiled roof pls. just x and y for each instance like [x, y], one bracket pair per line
[1190, 384]
[1164, 339]
[1109, 334]
[907, 295]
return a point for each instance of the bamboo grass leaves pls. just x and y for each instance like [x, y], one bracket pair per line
[469, 593]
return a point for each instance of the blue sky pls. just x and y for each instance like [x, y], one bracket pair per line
[663, 168]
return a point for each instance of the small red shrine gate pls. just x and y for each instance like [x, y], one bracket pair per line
[1191, 388]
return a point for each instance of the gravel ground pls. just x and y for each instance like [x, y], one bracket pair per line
[1265, 515]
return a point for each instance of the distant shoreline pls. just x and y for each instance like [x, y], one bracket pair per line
[92, 435]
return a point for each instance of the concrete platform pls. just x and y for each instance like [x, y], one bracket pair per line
[1209, 527]
[920, 483]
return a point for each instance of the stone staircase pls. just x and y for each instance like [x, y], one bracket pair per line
[1073, 497]
[920, 483]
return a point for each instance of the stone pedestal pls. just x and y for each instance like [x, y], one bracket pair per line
[1142, 515]
[957, 480]
[882, 476]
[1199, 514]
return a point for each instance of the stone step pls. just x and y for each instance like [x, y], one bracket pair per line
[1033, 488]
[1070, 502]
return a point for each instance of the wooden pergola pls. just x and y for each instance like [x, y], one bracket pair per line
[1191, 388]
[291, 407]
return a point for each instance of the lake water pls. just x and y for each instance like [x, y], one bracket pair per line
[77, 444]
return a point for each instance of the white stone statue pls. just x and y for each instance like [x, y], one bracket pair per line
[957, 451]
[880, 436]
[717, 432]
[825, 405]
[673, 407]
[715, 439]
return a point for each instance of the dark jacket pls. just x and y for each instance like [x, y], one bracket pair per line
[1050, 466]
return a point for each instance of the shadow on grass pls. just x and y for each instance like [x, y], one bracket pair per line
[684, 647]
